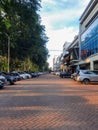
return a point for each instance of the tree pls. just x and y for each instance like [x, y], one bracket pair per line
[21, 22]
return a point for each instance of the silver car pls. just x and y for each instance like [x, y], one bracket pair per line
[3, 79]
[87, 76]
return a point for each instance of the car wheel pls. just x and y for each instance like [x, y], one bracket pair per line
[86, 81]
[12, 83]
[1, 86]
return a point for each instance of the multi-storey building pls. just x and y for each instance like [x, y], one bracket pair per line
[65, 46]
[66, 58]
[73, 50]
[57, 63]
[54, 62]
[88, 36]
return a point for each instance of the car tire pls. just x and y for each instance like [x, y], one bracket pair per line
[12, 83]
[86, 81]
[1, 87]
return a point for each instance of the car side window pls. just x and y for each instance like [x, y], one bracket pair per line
[89, 72]
[96, 72]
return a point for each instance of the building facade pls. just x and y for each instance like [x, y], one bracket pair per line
[66, 58]
[88, 37]
[57, 63]
[74, 53]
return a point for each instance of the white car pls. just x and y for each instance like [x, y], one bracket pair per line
[57, 73]
[87, 76]
[27, 75]
[24, 75]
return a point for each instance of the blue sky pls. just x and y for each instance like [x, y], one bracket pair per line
[61, 20]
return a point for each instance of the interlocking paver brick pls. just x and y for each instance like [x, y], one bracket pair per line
[49, 103]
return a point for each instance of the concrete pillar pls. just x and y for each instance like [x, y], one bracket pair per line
[91, 65]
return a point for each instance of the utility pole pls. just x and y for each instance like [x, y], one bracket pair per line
[8, 53]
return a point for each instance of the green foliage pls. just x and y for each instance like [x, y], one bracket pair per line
[20, 21]
[25, 65]
[3, 63]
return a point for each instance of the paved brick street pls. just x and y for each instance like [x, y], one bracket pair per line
[49, 103]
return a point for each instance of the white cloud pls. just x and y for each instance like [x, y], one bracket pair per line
[57, 37]
[59, 16]
[65, 15]
[84, 3]
[48, 2]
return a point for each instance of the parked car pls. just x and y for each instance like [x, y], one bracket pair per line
[53, 72]
[74, 75]
[1, 84]
[10, 79]
[15, 74]
[65, 74]
[34, 74]
[87, 76]
[24, 75]
[28, 76]
[57, 73]
[3, 79]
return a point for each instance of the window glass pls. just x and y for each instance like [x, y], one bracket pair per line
[90, 72]
[96, 72]
[89, 40]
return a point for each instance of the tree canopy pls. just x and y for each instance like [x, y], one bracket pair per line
[19, 20]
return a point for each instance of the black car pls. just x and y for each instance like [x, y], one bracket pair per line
[65, 74]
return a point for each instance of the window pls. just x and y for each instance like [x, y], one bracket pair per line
[89, 40]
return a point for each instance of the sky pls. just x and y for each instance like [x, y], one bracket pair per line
[61, 21]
